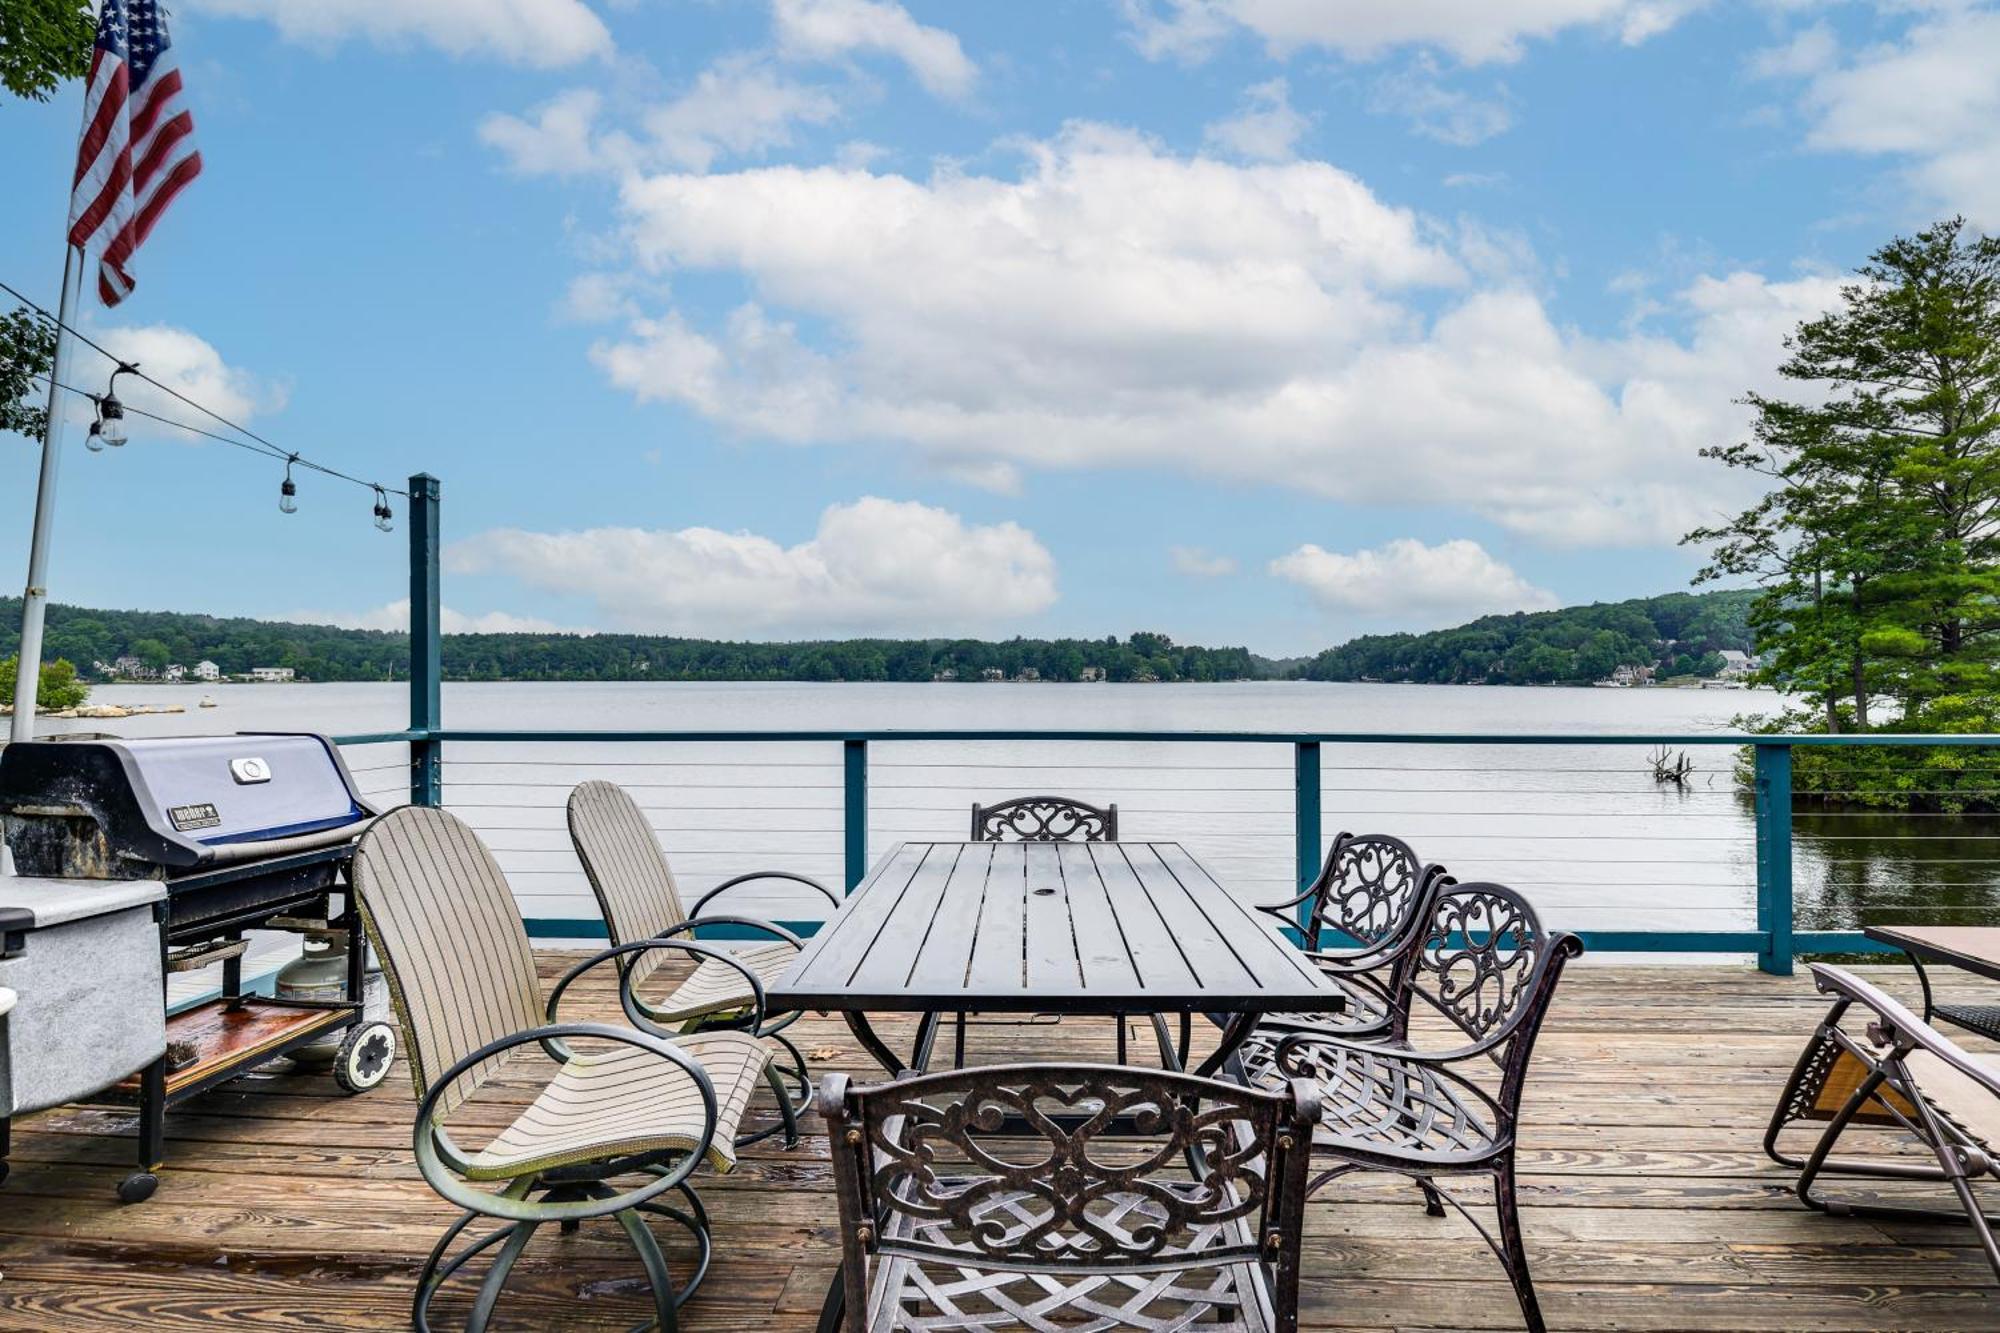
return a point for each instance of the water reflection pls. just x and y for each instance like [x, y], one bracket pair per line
[1855, 868]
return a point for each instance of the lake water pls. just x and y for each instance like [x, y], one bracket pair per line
[1583, 829]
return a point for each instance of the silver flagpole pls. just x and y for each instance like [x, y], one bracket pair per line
[35, 601]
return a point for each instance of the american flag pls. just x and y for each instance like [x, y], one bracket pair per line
[137, 150]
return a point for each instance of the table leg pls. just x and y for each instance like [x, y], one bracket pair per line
[1924, 980]
[1239, 1030]
[920, 1049]
[857, 1023]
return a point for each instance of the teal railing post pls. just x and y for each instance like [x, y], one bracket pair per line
[1305, 819]
[1774, 857]
[426, 645]
[854, 811]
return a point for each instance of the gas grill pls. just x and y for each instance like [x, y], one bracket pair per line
[247, 831]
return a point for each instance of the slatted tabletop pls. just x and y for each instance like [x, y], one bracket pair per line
[1057, 927]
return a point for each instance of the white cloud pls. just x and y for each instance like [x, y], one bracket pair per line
[1810, 51]
[1265, 130]
[396, 617]
[597, 298]
[1412, 581]
[873, 566]
[558, 141]
[1473, 31]
[1449, 115]
[738, 106]
[192, 366]
[1114, 305]
[1202, 564]
[833, 29]
[544, 33]
[1930, 98]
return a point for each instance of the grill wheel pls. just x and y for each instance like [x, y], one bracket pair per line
[365, 1054]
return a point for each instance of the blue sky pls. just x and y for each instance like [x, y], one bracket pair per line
[1252, 321]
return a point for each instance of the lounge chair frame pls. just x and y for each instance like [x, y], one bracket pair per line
[1850, 1079]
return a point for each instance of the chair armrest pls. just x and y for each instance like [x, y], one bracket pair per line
[440, 1160]
[1279, 909]
[754, 923]
[1370, 959]
[635, 1008]
[727, 884]
[1307, 1038]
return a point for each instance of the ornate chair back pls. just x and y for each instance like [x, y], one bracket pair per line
[627, 871]
[450, 938]
[1044, 819]
[1372, 889]
[1197, 1175]
[1486, 963]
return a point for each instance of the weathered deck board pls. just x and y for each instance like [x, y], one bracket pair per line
[1648, 1203]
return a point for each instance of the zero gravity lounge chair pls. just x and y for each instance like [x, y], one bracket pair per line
[1872, 1063]
[618, 1103]
[636, 891]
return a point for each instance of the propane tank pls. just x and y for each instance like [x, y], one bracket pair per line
[320, 973]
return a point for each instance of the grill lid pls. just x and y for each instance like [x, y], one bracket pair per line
[118, 808]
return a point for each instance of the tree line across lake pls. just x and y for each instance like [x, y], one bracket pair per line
[1676, 634]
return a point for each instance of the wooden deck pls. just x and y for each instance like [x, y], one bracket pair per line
[1648, 1202]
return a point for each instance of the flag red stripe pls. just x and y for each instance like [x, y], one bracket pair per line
[112, 195]
[110, 112]
[176, 180]
[154, 98]
[162, 149]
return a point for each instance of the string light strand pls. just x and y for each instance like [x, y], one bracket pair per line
[261, 445]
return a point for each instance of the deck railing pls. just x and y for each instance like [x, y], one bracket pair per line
[804, 800]
[511, 784]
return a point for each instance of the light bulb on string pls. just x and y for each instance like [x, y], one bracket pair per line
[384, 515]
[109, 428]
[288, 492]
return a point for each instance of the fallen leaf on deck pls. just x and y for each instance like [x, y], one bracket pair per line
[825, 1053]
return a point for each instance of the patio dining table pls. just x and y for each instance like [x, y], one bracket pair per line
[1112, 928]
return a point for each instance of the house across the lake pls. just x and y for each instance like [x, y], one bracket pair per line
[272, 675]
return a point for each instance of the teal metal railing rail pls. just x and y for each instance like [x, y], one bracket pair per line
[1773, 939]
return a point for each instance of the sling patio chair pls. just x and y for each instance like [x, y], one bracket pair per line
[1372, 890]
[1066, 1196]
[1488, 968]
[1041, 819]
[640, 900]
[1883, 1067]
[620, 1102]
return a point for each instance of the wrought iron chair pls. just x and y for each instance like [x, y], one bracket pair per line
[637, 894]
[1887, 1068]
[1044, 819]
[1487, 967]
[1121, 1197]
[1372, 889]
[1041, 819]
[621, 1102]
